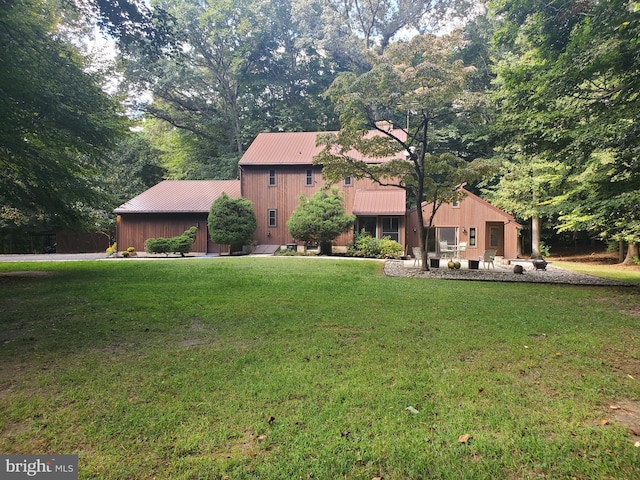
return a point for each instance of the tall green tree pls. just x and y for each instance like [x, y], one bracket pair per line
[244, 67]
[320, 219]
[419, 87]
[57, 123]
[568, 95]
[347, 30]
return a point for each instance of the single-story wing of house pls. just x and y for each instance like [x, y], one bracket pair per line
[275, 171]
[472, 221]
[168, 209]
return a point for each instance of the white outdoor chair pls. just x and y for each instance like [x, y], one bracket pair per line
[462, 248]
[417, 256]
[444, 249]
[487, 258]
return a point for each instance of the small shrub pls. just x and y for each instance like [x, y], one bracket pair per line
[180, 244]
[544, 249]
[286, 252]
[364, 245]
[389, 248]
[158, 245]
[112, 250]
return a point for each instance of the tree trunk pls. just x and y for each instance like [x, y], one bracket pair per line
[632, 251]
[535, 236]
[325, 248]
[620, 251]
[422, 231]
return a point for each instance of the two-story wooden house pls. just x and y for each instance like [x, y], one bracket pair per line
[274, 172]
[278, 168]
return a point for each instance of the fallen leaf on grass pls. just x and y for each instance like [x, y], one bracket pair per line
[604, 421]
[615, 407]
[410, 409]
[466, 438]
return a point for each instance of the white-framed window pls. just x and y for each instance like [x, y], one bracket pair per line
[455, 204]
[272, 176]
[473, 236]
[272, 218]
[348, 181]
[309, 177]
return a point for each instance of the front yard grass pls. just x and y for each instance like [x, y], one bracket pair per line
[287, 368]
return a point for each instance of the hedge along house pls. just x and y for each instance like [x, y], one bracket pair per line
[278, 167]
[168, 209]
[472, 220]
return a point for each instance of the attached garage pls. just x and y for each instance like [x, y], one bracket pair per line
[168, 209]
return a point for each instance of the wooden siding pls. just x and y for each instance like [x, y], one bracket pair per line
[471, 212]
[134, 228]
[283, 197]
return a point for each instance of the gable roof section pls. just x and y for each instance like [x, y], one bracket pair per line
[380, 202]
[180, 196]
[474, 197]
[293, 148]
[490, 206]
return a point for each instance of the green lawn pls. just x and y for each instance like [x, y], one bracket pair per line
[287, 368]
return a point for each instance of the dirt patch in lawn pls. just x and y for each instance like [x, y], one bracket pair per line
[627, 413]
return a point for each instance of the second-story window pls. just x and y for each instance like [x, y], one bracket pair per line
[272, 177]
[309, 180]
[348, 181]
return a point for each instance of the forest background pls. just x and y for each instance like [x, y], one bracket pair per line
[102, 99]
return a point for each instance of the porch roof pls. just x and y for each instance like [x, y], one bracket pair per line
[180, 196]
[380, 202]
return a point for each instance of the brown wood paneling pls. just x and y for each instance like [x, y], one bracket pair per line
[471, 212]
[134, 229]
[284, 195]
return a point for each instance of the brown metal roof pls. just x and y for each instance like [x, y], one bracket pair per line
[380, 202]
[293, 148]
[180, 196]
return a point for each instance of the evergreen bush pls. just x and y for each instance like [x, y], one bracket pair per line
[180, 244]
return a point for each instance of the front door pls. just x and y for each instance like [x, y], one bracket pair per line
[495, 238]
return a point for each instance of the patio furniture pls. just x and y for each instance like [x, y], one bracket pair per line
[417, 256]
[446, 250]
[462, 248]
[487, 258]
